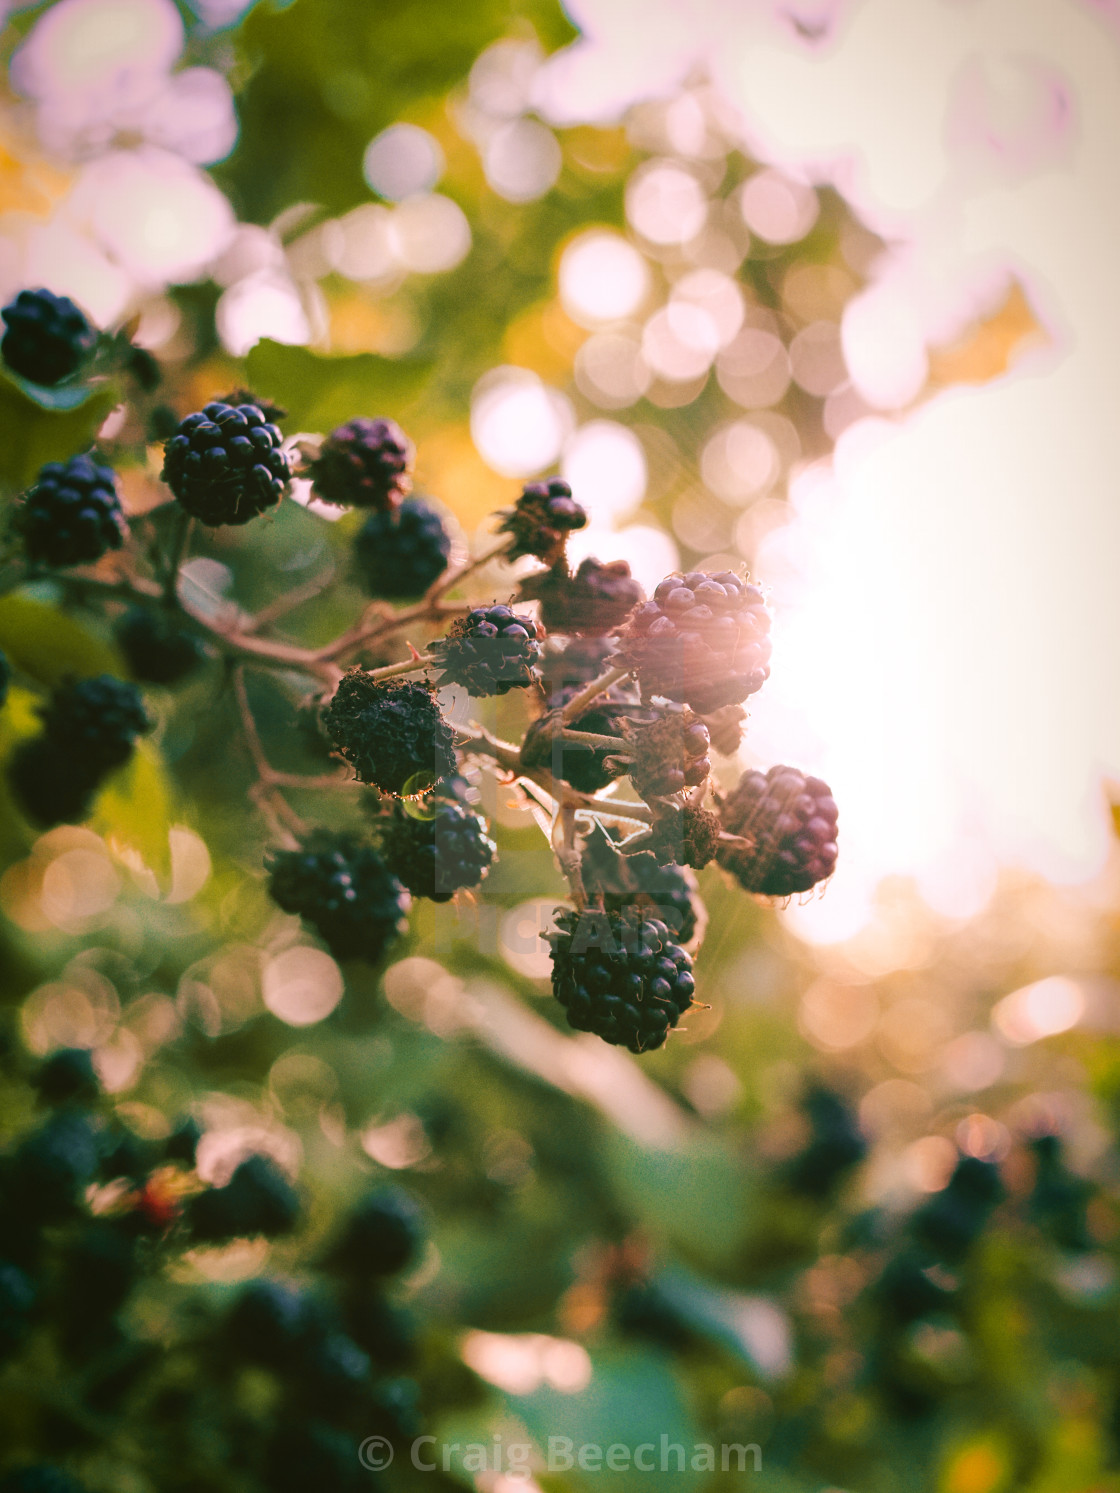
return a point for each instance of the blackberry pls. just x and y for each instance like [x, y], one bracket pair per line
[257, 1199]
[157, 649]
[726, 727]
[97, 722]
[364, 464]
[383, 1235]
[386, 1332]
[47, 338]
[52, 1168]
[683, 834]
[270, 1323]
[392, 733]
[790, 821]
[621, 976]
[541, 520]
[17, 1300]
[224, 464]
[835, 1145]
[72, 516]
[400, 554]
[41, 774]
[489, 651]
[670, 754]
[597, 599]
[435, 856]
[954, 1218]
[344, 890]
[703, 640]
[636, 882]
[68, 1075]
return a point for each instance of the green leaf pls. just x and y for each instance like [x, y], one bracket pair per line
[48, 645]
[50, 427]
[133, 812]
[321, 392]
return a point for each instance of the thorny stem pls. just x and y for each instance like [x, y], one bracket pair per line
[590, 692]
[409, 666]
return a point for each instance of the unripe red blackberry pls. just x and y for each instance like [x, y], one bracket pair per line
[257, 1199]
[636, 882]
[702, 640]
[621, 976]
[400, 554]
[157, 649]
[392, 732]
[438, 851]
[72, 516]
[790, 821]
[224, 464]
[97, 721]
[489, 651]
[364, 464]
[47, 338]
[383, 1235]
[344, 890]
[541, 520]
[596, 600]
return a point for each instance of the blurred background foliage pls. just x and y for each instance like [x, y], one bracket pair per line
[692, 1245]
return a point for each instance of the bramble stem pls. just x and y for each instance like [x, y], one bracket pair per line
[409, 666]
[592, 739]
[590, 692]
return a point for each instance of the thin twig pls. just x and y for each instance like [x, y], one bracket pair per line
[181, 526]
[591, 692]
[288, 601]
[593, 740]
[265, 793]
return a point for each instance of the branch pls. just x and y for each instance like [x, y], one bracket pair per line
[265, 793]
[590, 692]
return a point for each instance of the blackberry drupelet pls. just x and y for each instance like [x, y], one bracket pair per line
[391, 732]
[72, 516]
[621, 976]
[791, 821]
[97, 721]
[668, 893]
[435, 856]
[383, 1234]
[47, 339]
[489, 651]
[596, 600]
[541, 520]
[224, 464]
[364, 464]
[400, 554]
[703, 640]
[257, 1199]
[344, 890]
[157, 649]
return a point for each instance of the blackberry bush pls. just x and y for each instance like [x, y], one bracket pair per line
[47, 338]
[788, 824]
[344, 890]
[72, 516]
[225, 464]
[400, 553]
[364, 464]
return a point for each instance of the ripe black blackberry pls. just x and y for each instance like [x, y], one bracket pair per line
[489, 651]
[437, 854]
[636, 882]
[97, 721]
[670, 754]
[541, 520]
[72, 516]
[157, 649]
[703, 640]
[400, 554]
[392, 732]
[47, 338]
[344, 890]
[68, 1076]
[597, 599]
[621, 976]
[383, 1234]
[953, 1219]
[46, 784]
[224, 464]
[364, 464]
[790, 820]
[257, 1199]
[835, 1145]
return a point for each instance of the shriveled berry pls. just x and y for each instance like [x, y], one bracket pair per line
[225, 464]
[683, 834]
[670, 754]
[47, 339]
[343, 888]
[489, 651]
[438, 851]
[789, 821]
[541, 520]
[596, 600]
[72, 516]
[364, 464]
[400, 553]
[392, 732]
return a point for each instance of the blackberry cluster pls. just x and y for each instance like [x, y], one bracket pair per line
[489, 651]
[224, 464]
[47, 338]
[836, 1144]
[364, 464]
[72, 516]
[596, 600]
[156, 648]
[392, 733]
[703, 640]
[621, 976]
[790, 821]
[400, 553]
[670, 754]
[541, 520]
[90, 727]
[636, 882]
[257, 1199]
[437, 854]
[345, 891]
